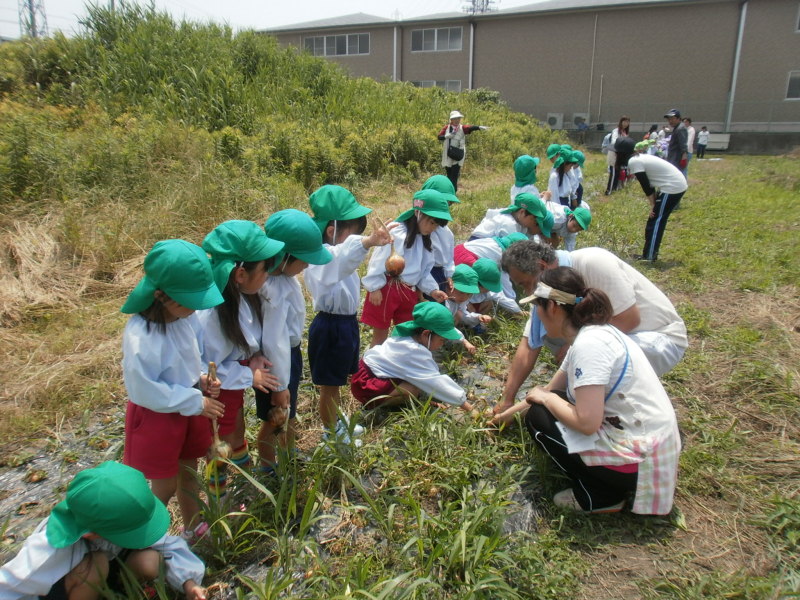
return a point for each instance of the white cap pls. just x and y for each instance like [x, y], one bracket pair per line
[456, 115]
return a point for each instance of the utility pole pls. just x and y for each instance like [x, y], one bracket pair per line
[474, 7]
[32, 18]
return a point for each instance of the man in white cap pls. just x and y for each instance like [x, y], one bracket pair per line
[454, 147]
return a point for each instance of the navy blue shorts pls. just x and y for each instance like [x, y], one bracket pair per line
[264, 399]
[333, 345]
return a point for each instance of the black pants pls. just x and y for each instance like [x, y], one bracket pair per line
[654, 230]
[594, 487]
[453, 173]
[701, 150]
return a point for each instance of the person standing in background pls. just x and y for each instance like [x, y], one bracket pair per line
[454, 146]
[678, 148]
[702, 142]
[689, 143]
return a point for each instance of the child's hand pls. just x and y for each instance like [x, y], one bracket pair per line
[450, 288]
[375, 298]
[485, 319]
[438, 295]
[212, 408]
[380, 235]
[546, 195]
[209, 387]
[469, 347]
[194, 591]
[264, 381]
[259, 361]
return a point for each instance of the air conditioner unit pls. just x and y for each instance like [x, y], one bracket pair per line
[555, 120]
[578, 118]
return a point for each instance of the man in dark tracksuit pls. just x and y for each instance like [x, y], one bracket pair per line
[678, 149]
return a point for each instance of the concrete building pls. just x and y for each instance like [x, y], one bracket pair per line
[732, 65]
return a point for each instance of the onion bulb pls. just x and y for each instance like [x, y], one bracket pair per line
[395, 264]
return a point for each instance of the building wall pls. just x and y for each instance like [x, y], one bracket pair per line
[635, 71]
[770, 49]
[449, 64]
[377, 64]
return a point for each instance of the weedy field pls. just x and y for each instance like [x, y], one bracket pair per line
[433, 506]
[114, 139]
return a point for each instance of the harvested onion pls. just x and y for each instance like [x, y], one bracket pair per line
[395, 264]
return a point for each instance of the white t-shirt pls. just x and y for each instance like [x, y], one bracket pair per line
[497, 224]
[702, 137]
[662, 175]
[625, 286]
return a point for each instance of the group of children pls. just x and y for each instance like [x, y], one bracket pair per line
[209, 322]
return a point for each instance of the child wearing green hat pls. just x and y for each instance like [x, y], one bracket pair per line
[170, 400]
[524, 176]
[465, 286]
[559, 184]
[284, 320]
[333, 337]
[576, 174]
[492, 249]
[442, 239]
[527, 214]
[241, 256]
[108, 519]
[392, 298]
[403, 369]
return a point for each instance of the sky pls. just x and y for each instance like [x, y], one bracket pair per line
[63, 15]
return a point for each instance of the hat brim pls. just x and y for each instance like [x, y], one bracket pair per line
[511, 209]
[466, 288]
[63, 530]
[492, 286]
[140, 298]
[320, 256]
[448, 334]
[197, 300]
[434, 214]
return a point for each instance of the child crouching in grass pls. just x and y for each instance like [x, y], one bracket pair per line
[167, 421]
[402, 369]
[333, 337]
[108, 523]
[465, 286]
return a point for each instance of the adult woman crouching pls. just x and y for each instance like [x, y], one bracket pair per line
[604, 418]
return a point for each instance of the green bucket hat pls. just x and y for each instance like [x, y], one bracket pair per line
[564, 157]
[335, 203]
[115, 502]
[642, 146]
[488, 274]
[179, 269]
[533, 204]
[509, 239]
[428, 202]
[566, 148]
[465, 279]
[570, 156]
[582, 215]
[300, 235]
[237, 241]
[546, 223]
[580, 157]
[443, 185]
[553, 150]
[432, 316]
[525, 170]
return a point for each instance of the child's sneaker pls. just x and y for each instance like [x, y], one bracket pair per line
[192, 536]
[344, 423]
[566, 499]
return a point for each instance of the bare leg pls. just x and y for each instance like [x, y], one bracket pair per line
[378, 336]
[88, 576]
[400, 396]
[236, 437]
[164, 489]
[145, 564]
[329, 396]
[270, 435]
[187, 493]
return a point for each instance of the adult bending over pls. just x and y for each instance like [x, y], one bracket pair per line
[454, 147]
[638, 308]
[604, 418]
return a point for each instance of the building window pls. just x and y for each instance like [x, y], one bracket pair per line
[451, 85]
[793, 89]
[337, 45]
[436, 40]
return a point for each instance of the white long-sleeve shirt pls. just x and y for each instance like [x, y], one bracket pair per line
[406, 359]
[468, 318]
[489, 248]
[160, 370]
[38, 565]
[443, 242]
[497, 224]
[419, 263]
[564, 190]
[284, 318]
[498, 298]
[218, 348]
[335, 287]
[525, 189]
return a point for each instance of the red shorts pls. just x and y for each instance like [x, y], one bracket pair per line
[365, 386]
[155, 442]
[398, 304]
[233, 401]
[462, 256]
